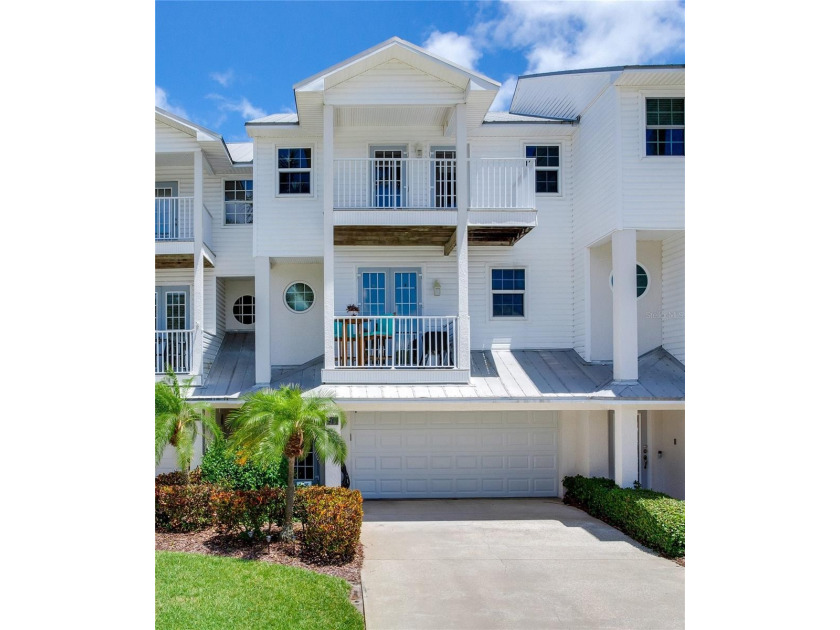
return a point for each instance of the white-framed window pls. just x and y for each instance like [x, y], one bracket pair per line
[244, 310]
[547, 158]
[294, 171]
[239, 201]
[299, 297]
[665, 126]
[507, 289]
[642, 280]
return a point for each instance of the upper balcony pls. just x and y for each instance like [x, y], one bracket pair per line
[373, 195]
[175, 233]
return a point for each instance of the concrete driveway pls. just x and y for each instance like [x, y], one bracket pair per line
[510, 563]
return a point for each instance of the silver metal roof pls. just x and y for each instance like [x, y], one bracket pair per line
[241, 151]
[275, 119]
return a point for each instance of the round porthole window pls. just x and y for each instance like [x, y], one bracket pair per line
[299, 297]
[641, 280]
[243, 310]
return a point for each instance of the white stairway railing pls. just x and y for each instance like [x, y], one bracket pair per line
[391, 341]
[173, 218]
[175, 348]
[428, 183]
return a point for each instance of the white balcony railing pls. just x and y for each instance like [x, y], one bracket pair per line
[431, 184]
[175, 348]
[390, 341]
[502, 184]
[174, 219]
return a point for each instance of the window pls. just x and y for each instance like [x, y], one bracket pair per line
[239, 202]
[307, 469]
[641, 280]
[548, 167]
[508, 289]
[299, 297]
[665, 126]
[294, 168]
[244, 310]
[176, 310]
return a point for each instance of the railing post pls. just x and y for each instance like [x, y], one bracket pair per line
[463, 201]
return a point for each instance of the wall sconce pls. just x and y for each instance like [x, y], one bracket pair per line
[418, 150]
[436, 288]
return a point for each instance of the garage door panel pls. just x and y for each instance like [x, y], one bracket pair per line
[439, 455]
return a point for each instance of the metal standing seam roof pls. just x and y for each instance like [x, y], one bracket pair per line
[521, 375]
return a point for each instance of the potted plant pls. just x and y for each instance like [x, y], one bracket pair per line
[352, 309]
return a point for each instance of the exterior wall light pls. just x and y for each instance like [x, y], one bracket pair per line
[436, 287]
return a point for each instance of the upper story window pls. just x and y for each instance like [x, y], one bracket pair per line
[239, 202]
[548, 167]
[508, 289]
[294, 167]
[665, 126]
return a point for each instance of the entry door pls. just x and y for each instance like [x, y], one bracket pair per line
[166, 210]
[388, 176]
[390, 291]
[443, 176]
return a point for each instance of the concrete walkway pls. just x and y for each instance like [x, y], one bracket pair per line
[510, 563]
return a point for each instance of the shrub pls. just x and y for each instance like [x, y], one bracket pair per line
[178, 478]
[247, 510]
[221, 468]
[332, 521]
[652, 518]
[183, 508]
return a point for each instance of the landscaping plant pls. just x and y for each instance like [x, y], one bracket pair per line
[221, 468]
[332, 521]
[272, 424]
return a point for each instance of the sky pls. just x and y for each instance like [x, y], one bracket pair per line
[220, 64]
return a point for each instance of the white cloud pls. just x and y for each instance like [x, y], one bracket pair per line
[162, 101]
[453, 47]
[243, 106]
[222, 78]
[502, 101]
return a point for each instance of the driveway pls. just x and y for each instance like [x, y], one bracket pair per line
[510, 563]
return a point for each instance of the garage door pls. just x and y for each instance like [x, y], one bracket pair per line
[454, 454]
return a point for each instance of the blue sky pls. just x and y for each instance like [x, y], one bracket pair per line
[222, 63]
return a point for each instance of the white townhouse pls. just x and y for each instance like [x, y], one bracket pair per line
[495, 299]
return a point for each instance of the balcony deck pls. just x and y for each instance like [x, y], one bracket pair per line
[520, 376]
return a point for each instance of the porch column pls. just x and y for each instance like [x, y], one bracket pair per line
[198, 263]
[625, 324]
[332, 471]
[262, 320]
[329, 242]
[463, 200]
[625, 446]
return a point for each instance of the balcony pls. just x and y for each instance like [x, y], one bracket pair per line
[175, 233]
[394, 349]
[373, 195]
[174, 348]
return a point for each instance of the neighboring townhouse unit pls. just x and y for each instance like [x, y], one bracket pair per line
[514, 280]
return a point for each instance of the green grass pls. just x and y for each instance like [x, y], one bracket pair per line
[193, 591]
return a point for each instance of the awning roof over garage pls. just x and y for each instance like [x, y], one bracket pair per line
[497, 375]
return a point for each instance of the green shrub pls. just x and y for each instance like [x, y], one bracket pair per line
[652, 518]
[221, 468]
[332, 521]
[247, 510]
[183, 508]
[178, 478]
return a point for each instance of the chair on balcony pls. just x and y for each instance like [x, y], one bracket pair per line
[378, 345]
[344, 333]
[437, 346]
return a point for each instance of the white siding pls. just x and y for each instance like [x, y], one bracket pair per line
[595, 195]
[673, 295]
[653, 188]
[169, 139]
[214, 297]
[296, 337]
[232, 244]
[236, 288]
[393, 82]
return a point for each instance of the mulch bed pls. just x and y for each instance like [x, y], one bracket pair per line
[211, 542]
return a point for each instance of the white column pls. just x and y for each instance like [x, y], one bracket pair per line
[329, 242]
[198, 262]
[463, 199]
[262, 319]
[332, 471]
[625, 324]
[625, 446]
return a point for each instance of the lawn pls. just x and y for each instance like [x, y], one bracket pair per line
[208, 592]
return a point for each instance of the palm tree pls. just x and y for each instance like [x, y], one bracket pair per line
[177, 421]
[275, 423]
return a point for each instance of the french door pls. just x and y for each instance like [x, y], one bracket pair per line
[443, 175]
[388, 177]
[166, 210]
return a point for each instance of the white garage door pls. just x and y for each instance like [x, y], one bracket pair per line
[454, 454]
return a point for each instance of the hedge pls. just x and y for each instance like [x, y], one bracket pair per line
[221, 468]
[183, 508]
[178, 478]
[247, 510]
[652, 518]
[332, 521]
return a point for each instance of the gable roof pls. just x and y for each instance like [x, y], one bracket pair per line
[220, 155]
